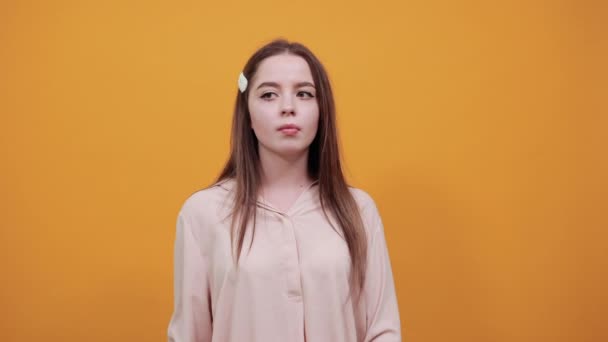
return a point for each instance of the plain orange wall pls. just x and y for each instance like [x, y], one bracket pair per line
[478, 127]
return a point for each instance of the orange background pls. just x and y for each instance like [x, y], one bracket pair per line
[479, 127]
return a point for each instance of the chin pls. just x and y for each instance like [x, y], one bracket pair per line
[291, 150]
[285, 148]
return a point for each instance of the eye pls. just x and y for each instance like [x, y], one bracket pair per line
[310, 95]
[266, 95]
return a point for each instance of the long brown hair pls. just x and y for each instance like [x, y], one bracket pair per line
[324, 163]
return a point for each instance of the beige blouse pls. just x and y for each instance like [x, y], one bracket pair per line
[292, 284]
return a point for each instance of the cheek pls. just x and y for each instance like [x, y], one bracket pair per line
[259, 125]
[262, 124]
[312, 117]
[258, 118]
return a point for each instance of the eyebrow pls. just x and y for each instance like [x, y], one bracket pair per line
[276, 85]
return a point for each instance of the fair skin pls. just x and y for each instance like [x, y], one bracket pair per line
[282, 92]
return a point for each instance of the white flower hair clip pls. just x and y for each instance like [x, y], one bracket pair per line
[242, 82]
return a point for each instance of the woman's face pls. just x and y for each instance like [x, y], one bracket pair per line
[282, 92]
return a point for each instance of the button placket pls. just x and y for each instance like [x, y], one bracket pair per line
[294, 285]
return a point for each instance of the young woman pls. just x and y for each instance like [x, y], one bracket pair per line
[280, 248]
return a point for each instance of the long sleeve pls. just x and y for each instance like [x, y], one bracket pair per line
[382, 310]
[191, 320]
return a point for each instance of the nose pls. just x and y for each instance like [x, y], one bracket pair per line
[287, 105]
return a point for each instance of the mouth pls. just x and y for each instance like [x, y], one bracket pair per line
[289, 126]
[289, 129]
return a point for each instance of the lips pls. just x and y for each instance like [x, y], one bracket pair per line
[289, 126]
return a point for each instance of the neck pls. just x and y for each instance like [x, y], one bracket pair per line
[284, 172]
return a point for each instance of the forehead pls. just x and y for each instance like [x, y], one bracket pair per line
[283, 69]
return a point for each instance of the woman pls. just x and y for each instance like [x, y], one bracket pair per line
[280, 248]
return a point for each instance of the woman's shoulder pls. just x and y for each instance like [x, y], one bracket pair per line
[367, 208]
[362, 197]
[206, 200]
